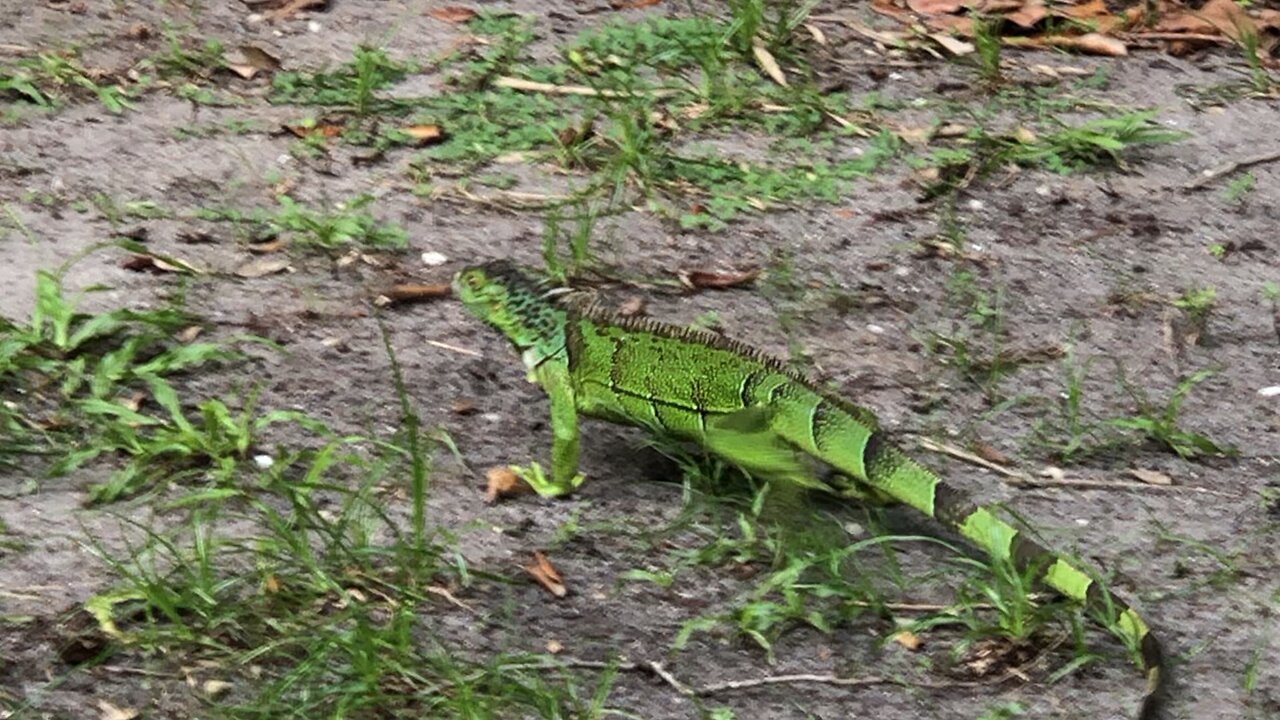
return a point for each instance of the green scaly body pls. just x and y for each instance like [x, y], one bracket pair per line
[751, 410]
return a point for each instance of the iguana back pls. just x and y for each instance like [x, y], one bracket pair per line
[751, 410]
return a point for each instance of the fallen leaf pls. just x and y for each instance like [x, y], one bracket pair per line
[188, 334]
[271, 585]
[305, 130]
[270, 246]
[908, 639]
[502, 482]
[936, 7]
[263, 266]
[293, 7]
[816, 33]
[554, 647]
[111, 712]
[452, 13]
[256, 60]
[411, 292]
[546, 575]
[953, 44]
[1093, 43]
[768, 63]
[151, 263]
[632, 4]
[214, 688]
[701, 280]
[988, 453]
[424, 134]
[463, 407]
[1151, 477]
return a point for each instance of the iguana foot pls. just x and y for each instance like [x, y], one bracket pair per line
[847, 487]
[535, 478]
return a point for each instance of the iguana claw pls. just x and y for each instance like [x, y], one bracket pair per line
[535, 478]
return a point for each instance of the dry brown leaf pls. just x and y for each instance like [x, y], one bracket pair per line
[989, 453]
[463, 407]
[112, 712]
[1092, 43]
[1028, 14]
[768, 63]
[188, 334]
[412, 292]
[908, 639]
[1151, 477]
[424, 134]
[214, 688]
[936, 7]
[256, 60]
[632, 4]
[816, 33]
[263, 266]
[270, 246]
[293, 7]
[151, 263]
[271, 585]
[546, 575]
[503, 482]
[326, 130]
[554, 647]
[952, 44]
[452, 13]
[704, 280]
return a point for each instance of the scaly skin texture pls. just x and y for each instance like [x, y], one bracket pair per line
[752, 411]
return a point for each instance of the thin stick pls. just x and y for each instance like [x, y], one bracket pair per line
[1231, 167]
[1018, 478]
[455, 348]
[550, 89]
[833, 680]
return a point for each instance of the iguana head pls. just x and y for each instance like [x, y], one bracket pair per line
[519, 306]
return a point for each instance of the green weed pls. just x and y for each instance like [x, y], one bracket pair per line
[1238, 187]
[51, 78]
[986, 42]
[347, 224]
[1159, 423]
[352, 86]
[1100, 142]
[559, 268]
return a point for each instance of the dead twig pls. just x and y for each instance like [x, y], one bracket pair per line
[411, 292]
[1018, 478]
[1213, 175]
[455, 348]
[551, 89]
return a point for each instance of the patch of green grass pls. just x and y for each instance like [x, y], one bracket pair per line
[1197, 305]
[1159, 422]
[986, 43]
[1100, 142]
[1238, 188]
[352, 86]
[49, 79]
[302, 590]
[344, 225]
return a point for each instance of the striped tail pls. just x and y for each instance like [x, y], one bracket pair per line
[890, 470]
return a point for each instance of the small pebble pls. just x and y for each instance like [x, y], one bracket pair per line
[263, 461]
[314, 26]
[1272, 391]
[432, 258]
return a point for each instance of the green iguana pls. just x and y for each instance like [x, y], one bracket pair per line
[752, 411]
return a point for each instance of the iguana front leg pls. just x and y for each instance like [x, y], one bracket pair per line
[565, 478]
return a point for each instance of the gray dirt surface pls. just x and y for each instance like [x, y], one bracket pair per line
[1059, 245]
